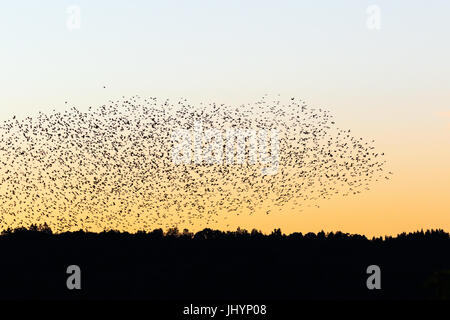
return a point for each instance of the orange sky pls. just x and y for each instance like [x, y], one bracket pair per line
[389, 84]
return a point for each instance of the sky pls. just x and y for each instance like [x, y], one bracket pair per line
[388, 83]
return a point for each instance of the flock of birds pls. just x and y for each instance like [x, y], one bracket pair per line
[111, 167]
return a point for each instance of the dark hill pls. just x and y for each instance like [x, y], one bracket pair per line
[222, 265]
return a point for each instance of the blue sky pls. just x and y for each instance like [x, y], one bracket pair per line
[228, 50]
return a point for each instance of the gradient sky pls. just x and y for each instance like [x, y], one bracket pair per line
[389, 84]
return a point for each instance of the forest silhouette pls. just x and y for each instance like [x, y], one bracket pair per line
[213, 264]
